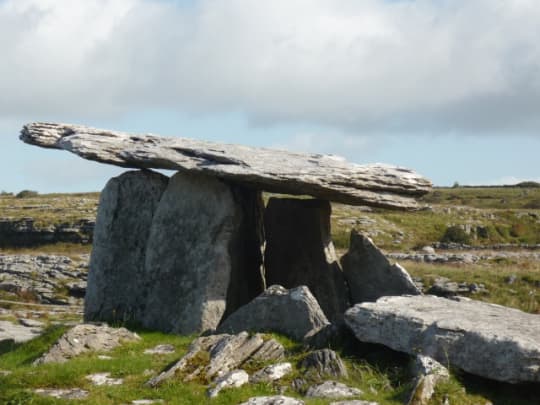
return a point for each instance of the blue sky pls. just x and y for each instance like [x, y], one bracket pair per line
[450, 89]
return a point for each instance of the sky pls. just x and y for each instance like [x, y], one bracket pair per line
[449, 88]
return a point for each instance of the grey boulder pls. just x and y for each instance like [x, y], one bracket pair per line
[293, 312]
[370, 275]
[488, 340]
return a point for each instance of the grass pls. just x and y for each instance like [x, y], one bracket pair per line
[523, 293]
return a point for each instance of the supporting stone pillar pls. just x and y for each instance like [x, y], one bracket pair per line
[299, 251]
[116, 277]
[204, 248]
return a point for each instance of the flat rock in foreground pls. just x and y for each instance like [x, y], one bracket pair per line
[84, 338]
[326, 177]
[488, 340]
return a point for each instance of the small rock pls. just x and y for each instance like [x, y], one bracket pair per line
[274, 400]
[233, 379]
[161, 349]
[104, 379]
[429, 373]
[428, 250]
[104, 357]
[332, 389]
[31, 323]
[4, 373]
[354, 402]
[511, 279]
[293, 312]
[69, 393]
[271, 373]
[324, 362]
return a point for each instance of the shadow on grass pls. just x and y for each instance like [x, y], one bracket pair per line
[500, 393]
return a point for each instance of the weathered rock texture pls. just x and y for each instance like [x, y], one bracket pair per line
[84, 338]
[484, 339]
[324, 363]
[299, 251]
[174, 254]
[326, 177]
[213, 356]
[203, 254]
[292, 312]
[429, 373]
[44, 277]
[116, 280]
[11, 333]
[370, 275]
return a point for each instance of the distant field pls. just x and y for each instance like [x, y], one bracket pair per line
[487, 216]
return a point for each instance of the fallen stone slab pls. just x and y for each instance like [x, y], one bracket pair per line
[210, 357]
[332, 389]
[273, 400]
[299, 251]
[293, 312]
[232, 379]
[326, 177]
[84, 338]
[488, 340]
[370, 275]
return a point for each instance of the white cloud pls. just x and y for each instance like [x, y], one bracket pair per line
[408, 66]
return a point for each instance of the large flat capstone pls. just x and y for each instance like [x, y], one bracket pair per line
[326, 177]
[484, 339]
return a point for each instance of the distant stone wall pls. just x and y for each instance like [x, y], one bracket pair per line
[25, 232]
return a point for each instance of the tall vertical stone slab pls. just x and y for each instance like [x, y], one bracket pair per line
[204, 247]
[369, 273]
[299, 251]
[116, 277]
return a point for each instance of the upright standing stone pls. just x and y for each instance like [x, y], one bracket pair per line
[370, 275]
[116, 276]
[299, 251]
[204, 246]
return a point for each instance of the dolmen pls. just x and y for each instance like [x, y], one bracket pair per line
[180, 254]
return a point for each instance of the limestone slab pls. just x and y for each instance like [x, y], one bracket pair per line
[323, 176]
[488, 340]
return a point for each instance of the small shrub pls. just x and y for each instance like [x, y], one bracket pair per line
[518, 230]
[455, 234]
[27, 194]
[5, 193]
